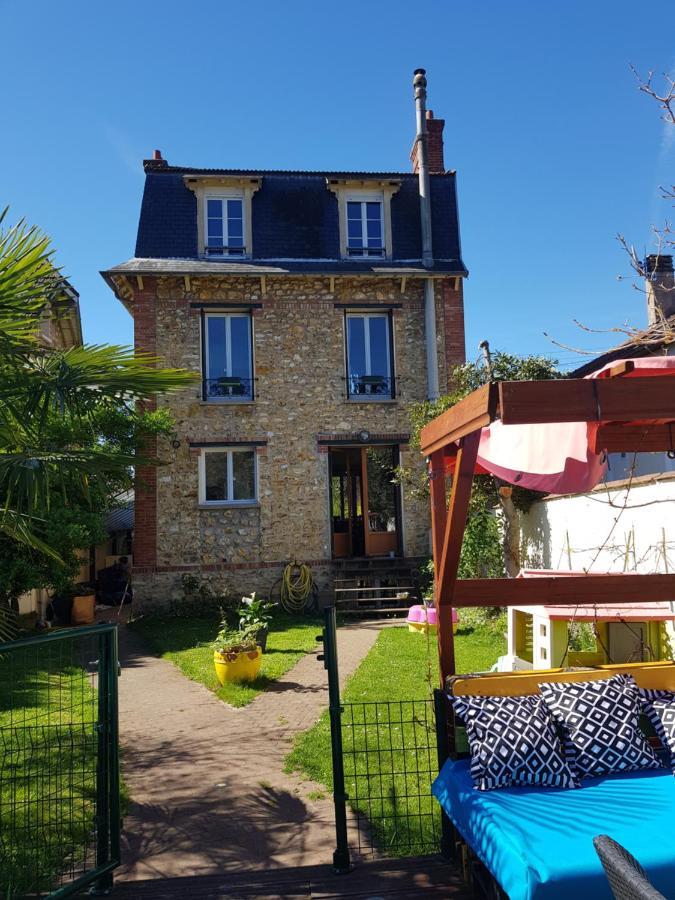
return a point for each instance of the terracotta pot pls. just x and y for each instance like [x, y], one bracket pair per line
[82, 612]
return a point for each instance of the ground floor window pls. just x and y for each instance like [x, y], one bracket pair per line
[228, 476]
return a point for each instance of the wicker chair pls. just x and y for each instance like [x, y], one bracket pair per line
[626, 877]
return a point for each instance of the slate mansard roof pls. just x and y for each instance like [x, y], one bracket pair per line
[295, 225]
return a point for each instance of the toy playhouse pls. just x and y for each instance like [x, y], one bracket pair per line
[540, 637]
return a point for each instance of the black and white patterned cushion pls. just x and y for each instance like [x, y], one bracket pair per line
[513, 741]
[659, 707]
[599, 724]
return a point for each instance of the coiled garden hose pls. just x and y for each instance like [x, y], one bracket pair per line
[297, 583]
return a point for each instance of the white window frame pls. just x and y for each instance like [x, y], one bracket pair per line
[228, 315]
[360, 190]
[367, 316]
[231, 187]
[363, 199]
[228, 501]
[224, 196]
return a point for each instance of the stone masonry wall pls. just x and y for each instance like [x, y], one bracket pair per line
[300, 394]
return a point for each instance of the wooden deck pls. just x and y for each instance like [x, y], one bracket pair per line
[428, 876]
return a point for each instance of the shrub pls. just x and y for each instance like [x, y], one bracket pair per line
[197, 598]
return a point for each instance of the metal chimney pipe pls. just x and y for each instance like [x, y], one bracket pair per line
[420, 88]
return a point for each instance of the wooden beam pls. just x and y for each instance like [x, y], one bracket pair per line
[139, 282]
[617, 437]
[403, 283]
[439, 515]
[186, 282]
[458, 509]
[263, 285]
[439, 509]
[619, 369]
[582, 590]
[447, 564]
[331, 284]
[473, 412]
[586, 400]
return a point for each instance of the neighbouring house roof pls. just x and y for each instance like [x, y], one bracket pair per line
[122, 517]
[61, 327]
[651, 341]
[295, 218]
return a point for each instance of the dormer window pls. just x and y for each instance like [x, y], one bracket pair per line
[364, 213]
[224, 225]
[224, 214]
[365, 226]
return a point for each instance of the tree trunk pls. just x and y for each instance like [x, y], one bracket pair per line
[511, 543]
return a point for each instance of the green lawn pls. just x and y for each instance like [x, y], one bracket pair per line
[187, 643]
[48, 748]
[390, 749]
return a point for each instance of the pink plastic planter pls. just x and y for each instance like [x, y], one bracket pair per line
[425, 619]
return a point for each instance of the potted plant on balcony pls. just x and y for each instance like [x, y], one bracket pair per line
[236, 655]
[255, 615]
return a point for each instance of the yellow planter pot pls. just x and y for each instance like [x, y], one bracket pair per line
[244, 667]
[425, 627]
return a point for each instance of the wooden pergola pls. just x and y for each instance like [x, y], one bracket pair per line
[629, 414]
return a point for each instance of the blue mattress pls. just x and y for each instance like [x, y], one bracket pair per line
[538, 842]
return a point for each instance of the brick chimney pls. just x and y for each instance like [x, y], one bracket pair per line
[157, 161]
[660, 287]
[434, 146]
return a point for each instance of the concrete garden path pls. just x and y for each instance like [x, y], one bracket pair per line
[209, 794]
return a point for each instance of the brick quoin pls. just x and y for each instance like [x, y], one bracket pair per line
[145, 514]
[453, 322]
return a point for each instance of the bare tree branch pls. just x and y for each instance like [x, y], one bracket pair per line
[665, 99]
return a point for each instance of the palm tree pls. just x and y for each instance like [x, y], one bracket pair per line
[52, 401]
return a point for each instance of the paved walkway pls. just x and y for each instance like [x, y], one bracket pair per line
[208, 790]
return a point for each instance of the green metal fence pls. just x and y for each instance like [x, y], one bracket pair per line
[385, 757]
[59, 764]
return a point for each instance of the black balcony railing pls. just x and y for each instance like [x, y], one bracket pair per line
[365, 251]
[224, 250]
[370, 386]
[228, 388]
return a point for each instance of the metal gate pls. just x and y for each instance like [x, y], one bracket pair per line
[59, 763]
[385, 756]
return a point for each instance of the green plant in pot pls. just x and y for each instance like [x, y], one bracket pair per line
[255, 615]
[236, 654]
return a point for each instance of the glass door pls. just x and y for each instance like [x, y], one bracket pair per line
[381, 493]
[346, 503]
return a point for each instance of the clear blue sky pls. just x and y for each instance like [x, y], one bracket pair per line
[556, 150]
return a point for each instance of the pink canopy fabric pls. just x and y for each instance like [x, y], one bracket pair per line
[554, 458]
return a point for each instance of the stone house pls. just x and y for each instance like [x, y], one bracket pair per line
[317, 307]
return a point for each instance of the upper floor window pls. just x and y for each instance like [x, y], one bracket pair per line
[224, 226]
[227, 357]
[370, 374]
[364, 215]
[228, 476]
[365, 226]
[224, 214]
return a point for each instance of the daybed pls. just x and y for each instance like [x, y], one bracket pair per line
[537, 843]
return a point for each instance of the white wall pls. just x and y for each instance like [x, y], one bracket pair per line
[608, 530]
